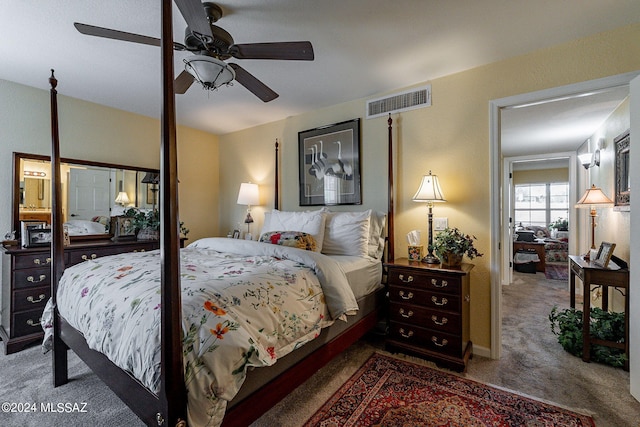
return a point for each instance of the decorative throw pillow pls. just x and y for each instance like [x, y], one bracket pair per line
[294, 239]
[306, 222]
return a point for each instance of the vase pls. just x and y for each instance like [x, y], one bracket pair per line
[451, 260]
[148, 234]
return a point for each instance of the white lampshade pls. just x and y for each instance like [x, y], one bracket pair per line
[210, 72]
[248, 194]
[122, 198]
[429, 190]
[594, 197]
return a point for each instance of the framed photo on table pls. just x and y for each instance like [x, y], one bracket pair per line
[604, 254]
[329, 165]
[38, 237]
[123, 228]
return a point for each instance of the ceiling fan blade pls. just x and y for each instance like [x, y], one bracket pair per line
[254, 85]
[182, 82]
[91, 30]
[300, 51]
[193, 12]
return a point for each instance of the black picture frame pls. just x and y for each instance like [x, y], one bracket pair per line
[38, 237]
[329, 165]
[604, 254]
[236, 234]
[622, 199]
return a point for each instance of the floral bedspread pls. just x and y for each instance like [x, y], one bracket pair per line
[238, 311]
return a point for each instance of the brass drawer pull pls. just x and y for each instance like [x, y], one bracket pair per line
[139, 250]
[405, 334]
[35, 301]
[434, 339]
[38, 261]
[442, 322]
[403, 296]
[443, 301]
[409, 279]
[405, 315]
[443, 283]
[33, 279]
[30, 322]
[85, 258]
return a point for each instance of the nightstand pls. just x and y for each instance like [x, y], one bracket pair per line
[429, 312]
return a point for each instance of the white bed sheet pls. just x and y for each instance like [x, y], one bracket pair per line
[364, 274]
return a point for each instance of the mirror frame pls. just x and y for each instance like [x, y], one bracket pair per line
[622, 145]
[17, 157]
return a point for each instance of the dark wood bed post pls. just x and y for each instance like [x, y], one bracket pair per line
[173, 395]
[59, 354]
[390, 235]
[276, 201]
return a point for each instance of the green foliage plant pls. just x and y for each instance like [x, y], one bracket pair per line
[567, 325]
[452, 240]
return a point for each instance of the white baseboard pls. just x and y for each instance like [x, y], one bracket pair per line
[482, 351]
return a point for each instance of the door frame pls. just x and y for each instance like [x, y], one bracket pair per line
[495, 106]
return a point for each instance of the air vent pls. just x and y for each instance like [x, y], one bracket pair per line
[404, 101]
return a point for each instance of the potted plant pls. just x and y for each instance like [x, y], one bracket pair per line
[560, 224]
[451, 245]
[147, 224]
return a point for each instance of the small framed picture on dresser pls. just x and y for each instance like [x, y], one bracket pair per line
[604, 254]
[38, 237]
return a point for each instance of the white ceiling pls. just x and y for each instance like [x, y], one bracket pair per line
[362, 48]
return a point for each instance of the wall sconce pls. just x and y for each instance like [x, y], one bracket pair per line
[248, 195]
[589, 160]
[429, 192]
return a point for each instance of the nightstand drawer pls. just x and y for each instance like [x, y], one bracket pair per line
[425, 280]
[26, 323]
[32, 277]
[434, 319]
[30, 299]
[424, 298]
[412, 335]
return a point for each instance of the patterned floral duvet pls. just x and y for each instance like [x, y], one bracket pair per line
[238, 311]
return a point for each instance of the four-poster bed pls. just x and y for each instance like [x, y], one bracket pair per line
[168, 405]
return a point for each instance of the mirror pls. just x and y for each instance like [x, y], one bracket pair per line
[622, 178]
[91, 192]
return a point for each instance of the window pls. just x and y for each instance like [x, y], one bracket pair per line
[541, 204]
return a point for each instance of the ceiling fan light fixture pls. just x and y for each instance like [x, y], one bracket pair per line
[210, 72]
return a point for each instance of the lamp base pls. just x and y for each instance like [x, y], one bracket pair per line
[430, 259]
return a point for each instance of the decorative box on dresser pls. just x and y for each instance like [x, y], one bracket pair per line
[429, 312]
[29, 284]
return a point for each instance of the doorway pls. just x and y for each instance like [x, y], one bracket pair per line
[500, 231]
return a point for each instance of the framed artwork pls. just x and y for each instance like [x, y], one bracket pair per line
[27, 225]
[329, 165]
[236, 234]
[152, 190]
[622, 177]
[38, 237]
[123, 227]
[604, 254]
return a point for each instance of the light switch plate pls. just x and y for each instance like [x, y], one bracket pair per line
[440, 224]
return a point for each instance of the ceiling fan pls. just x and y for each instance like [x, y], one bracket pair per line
[212, 46]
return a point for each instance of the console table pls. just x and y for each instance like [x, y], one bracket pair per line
[592, 274]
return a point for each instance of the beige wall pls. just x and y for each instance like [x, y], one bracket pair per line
[451, 138]
[94, 132]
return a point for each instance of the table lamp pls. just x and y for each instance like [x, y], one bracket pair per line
[429, 192]
[248, 195]
[593, 199]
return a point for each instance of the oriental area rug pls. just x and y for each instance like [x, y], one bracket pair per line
[556, 272]
[387, 392]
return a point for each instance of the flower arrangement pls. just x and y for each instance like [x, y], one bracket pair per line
[453, 241]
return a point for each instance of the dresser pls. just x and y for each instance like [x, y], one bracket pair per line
[29, 286]
[429, 312]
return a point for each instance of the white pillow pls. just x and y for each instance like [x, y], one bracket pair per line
[376, 234]
[347, 233]
[307, 222]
